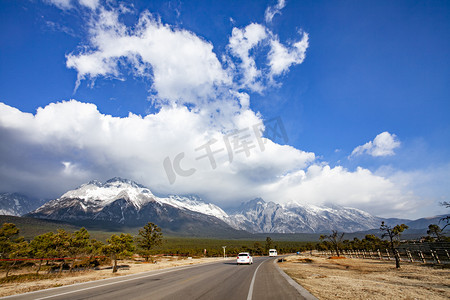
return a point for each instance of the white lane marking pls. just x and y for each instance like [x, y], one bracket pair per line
[109, 279]
[101, 285]
[115, 282]
[250, 291]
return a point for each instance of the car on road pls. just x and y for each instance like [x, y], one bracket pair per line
[244, 258]
[273, 252]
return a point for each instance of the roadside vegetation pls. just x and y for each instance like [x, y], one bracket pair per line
[55, 252]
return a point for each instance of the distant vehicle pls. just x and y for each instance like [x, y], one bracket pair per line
[244, 258]
[273, 252]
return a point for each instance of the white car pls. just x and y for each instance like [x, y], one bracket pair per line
[273, 252]
[244, 258]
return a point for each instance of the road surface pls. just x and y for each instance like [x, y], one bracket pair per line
[219, 280]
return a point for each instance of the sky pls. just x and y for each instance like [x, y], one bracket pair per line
[313, 102]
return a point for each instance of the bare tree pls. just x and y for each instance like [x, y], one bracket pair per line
[335, 238]
[394, 238]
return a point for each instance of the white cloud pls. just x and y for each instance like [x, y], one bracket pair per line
[271, 11]
[383, 145]
[240, 44]
[92, 4]
[321, 184]
[62, 4]
[282, 57]
[182, 66]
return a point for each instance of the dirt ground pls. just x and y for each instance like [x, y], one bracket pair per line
[352, 278]
[127, 267]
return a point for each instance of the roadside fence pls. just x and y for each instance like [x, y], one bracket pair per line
[427, 253]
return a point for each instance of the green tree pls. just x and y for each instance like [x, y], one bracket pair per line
[41, 247]
[394, 238]
[96, 247]
[61, 244]
[269, 244]
[447, 218]
[435, 230]
[119, 246]
[371, 242]
[79, 245]
[12, 245]
[149, 236]
[335, 239]
[257, 248]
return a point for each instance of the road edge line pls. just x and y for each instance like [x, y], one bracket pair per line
[304, 292]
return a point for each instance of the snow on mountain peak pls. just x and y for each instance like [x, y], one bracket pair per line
[100, 194]
[194, 203]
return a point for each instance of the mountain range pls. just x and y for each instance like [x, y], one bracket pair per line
[124, 203]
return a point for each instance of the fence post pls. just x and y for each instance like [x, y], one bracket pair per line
[436, 257]
[421, 256]
[409, 255]
[397, 255]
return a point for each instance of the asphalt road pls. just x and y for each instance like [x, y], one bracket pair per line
[220, 280]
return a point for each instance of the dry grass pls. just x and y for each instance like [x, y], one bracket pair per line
[367, 279]
[22, 283]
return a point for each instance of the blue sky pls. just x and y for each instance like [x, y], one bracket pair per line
[361, 87]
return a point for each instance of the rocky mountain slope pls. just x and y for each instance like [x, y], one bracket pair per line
[259, 216]
[14, 204]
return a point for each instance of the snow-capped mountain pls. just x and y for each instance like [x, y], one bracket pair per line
[124, 202]
[95, 195]
[258, 216]
[16, 204]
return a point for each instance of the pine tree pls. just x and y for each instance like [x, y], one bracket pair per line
[41, 247]
[79, 244]
[12, 245]
[269, 244]
[434, 229]
[149, 237]
[119, 246]
[394, 236]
